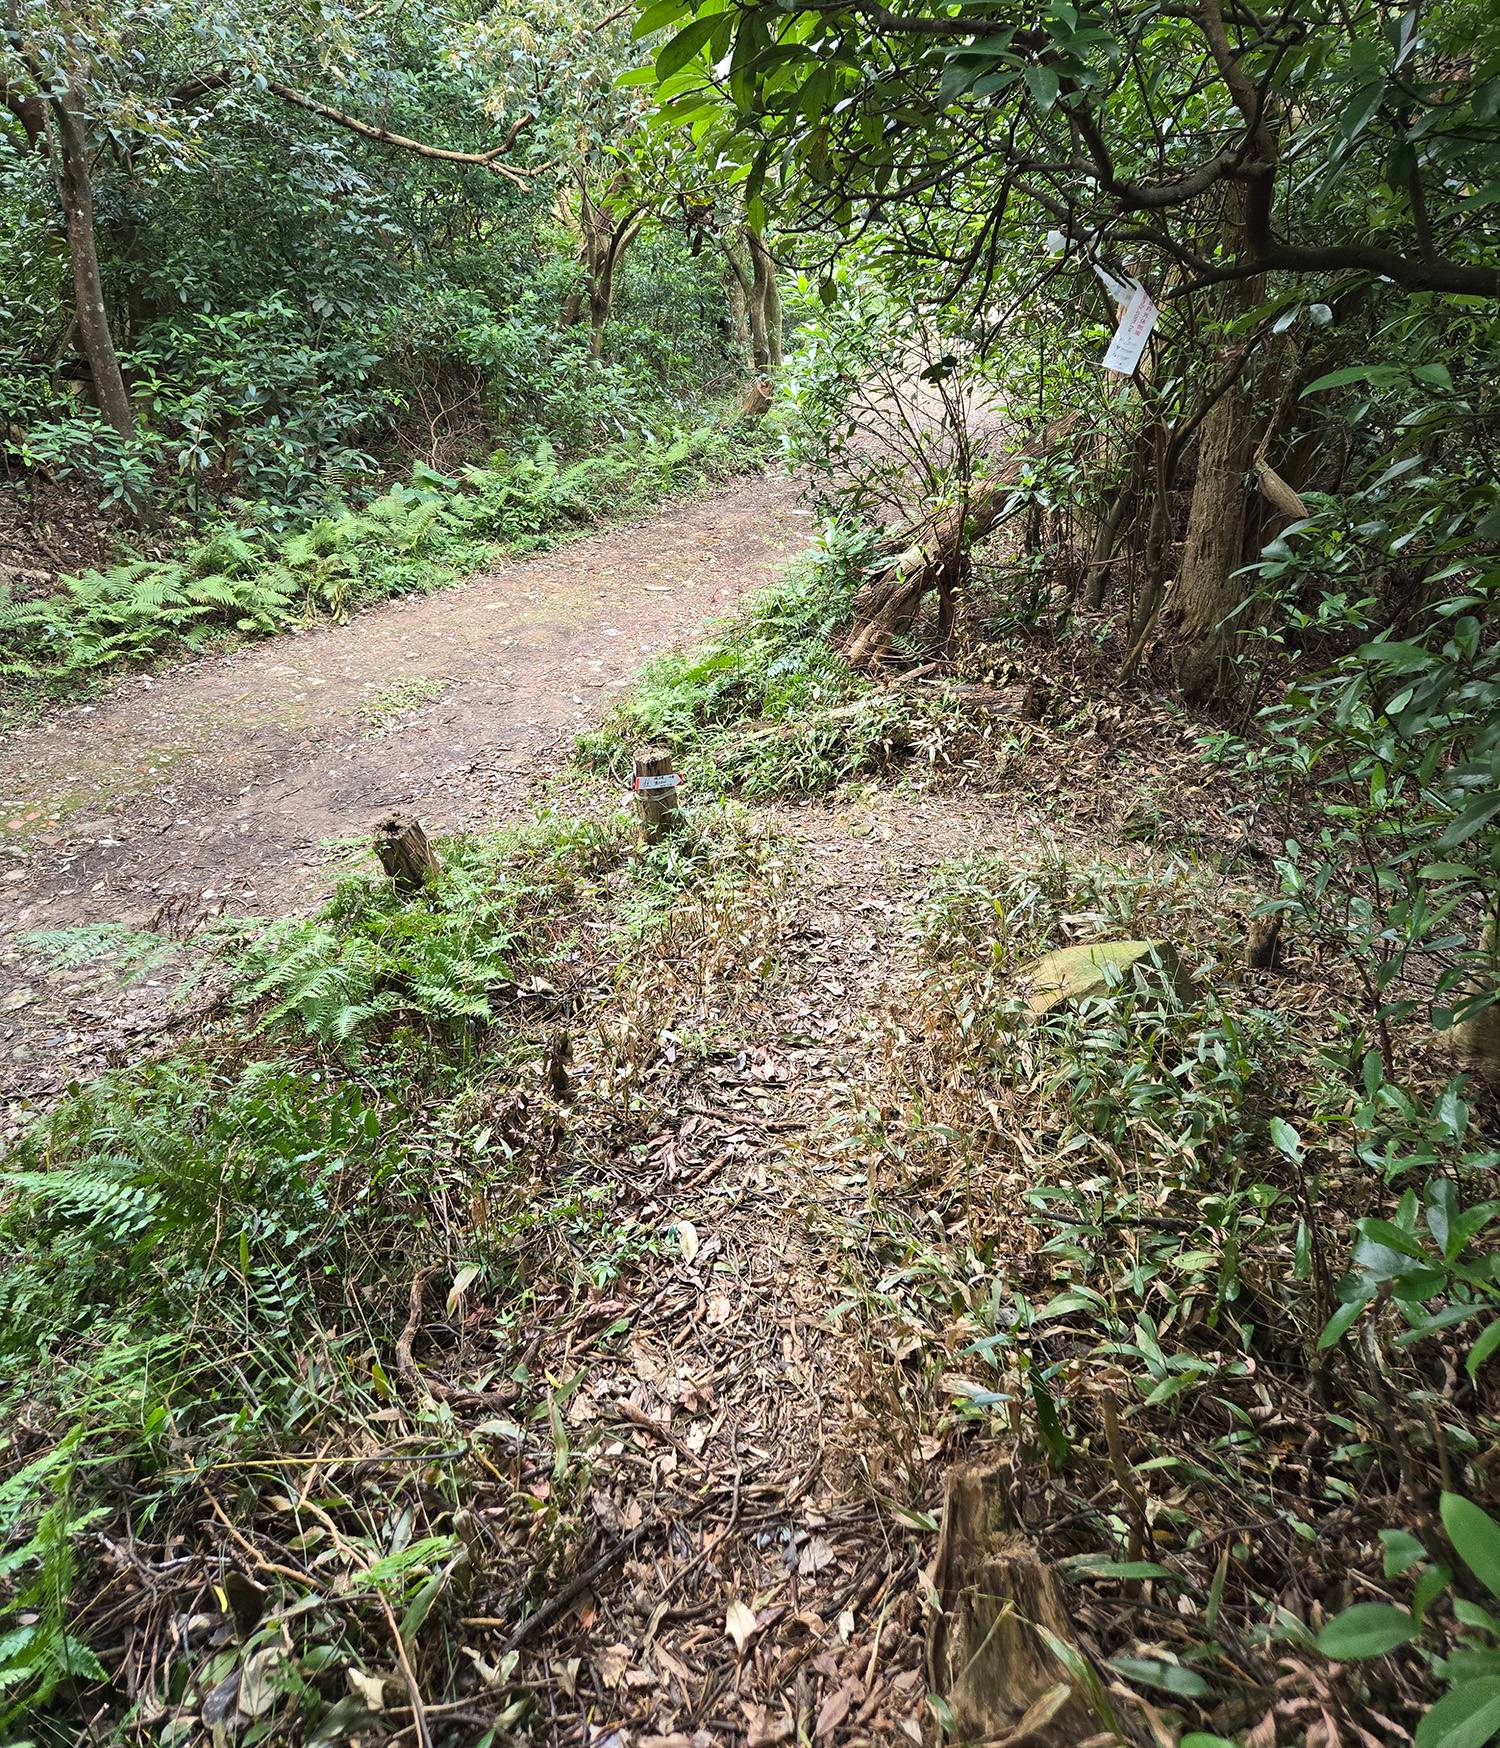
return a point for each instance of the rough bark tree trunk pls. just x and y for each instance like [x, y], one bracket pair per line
[75, 187]
[755, 306]
[766, 295]
[1208, 590]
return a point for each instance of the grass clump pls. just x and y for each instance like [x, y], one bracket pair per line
[214, 1276]
[771, 706]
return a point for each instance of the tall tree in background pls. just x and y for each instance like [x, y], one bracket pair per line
[77, 78]
[1243, 165]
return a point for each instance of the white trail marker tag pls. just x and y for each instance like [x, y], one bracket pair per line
[1136, 322]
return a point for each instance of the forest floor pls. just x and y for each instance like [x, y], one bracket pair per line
[766, 1492]
[745, 1267]
[227, 784]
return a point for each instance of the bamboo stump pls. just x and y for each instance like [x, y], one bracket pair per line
[984, 1653]
[655, 786]
[1263, 944]
[404, 852]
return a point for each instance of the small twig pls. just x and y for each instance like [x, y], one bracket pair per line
[408, 1335]
[243, 1542]
[408, 1674]
[1141, 1529]
[559, 1603]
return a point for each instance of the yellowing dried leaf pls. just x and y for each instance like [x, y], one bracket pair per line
[740, 1624]
[462, 1281]
[369, 1688]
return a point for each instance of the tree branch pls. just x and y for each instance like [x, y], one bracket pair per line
[485, 160]
[205, 83]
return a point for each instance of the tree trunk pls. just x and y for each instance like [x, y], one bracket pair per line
[76, 186]
[402, 849]
[766, 299]
[734, 298]
[601, 295]
[1208, 590]
[755, 303]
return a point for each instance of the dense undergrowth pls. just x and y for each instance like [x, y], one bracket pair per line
[770, 707]
[418, 536]
[214, 1266]
[1232, 1339]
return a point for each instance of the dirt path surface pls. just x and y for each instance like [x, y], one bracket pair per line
[768, 1516]
[214, 785]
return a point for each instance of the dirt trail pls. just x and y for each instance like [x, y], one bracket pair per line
[770, 1588]
[213, 785]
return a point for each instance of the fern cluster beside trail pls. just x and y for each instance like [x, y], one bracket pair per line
[416, 537]
[206, 1269]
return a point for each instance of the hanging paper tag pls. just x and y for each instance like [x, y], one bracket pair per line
[1136, 322]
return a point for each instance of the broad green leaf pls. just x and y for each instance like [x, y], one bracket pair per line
[1485, 1346]
[1339, 1325]
[1402, 1551]
[1284, 1138]
[1474, 817]
[1157, 1672]
[1378, 375]
[682, 47]
[1466, 1717]
[1091, 1566]
[659, 15]
[1043, 84]
[1475, 1537]
[1368, 1629]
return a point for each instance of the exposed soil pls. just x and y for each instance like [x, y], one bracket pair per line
[49, 528]
[220, 785]
[768, 1517]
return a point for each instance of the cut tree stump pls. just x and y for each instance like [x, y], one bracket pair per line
[985, 1656]
[655, 785]
[404, 852]
[1263, 948]
[757, 401]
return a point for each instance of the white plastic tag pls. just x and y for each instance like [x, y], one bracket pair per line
[1136, 322]
[1116, 288]
[669, 781]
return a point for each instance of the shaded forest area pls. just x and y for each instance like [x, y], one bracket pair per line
[259, 272]
[964, 1209]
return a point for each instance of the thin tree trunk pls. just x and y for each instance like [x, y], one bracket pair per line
[76, 186]
[734, 298]
[760, 348]
[765, 295]
[601, 295]
[746, 306]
